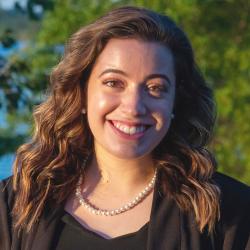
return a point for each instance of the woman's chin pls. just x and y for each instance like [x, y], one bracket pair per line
[129, 154]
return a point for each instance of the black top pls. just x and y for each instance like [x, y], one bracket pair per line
[72, 235]
[169, 227]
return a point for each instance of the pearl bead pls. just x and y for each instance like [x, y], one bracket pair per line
[117, 211]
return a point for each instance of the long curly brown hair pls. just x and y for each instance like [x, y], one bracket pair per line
[46, 170]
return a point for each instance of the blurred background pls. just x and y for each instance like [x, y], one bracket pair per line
[32, 37]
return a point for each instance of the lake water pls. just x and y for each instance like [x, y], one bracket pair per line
[7, 160]
[16, 48]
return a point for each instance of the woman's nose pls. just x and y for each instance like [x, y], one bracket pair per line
[133, 103]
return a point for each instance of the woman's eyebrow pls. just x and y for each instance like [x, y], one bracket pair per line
[113, 71]
[149, 77]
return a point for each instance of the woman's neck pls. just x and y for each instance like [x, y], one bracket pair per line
[124, 175]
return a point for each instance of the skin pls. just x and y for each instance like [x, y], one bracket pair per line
[133, 95]
[132, 84]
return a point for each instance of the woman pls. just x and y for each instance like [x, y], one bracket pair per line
[118, 158]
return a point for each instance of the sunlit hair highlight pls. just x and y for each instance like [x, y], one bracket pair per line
[46, 169]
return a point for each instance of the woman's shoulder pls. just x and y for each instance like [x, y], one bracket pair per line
[6, 191]
[235, 206]
[235, 195]
[232, 190]
[6, 204]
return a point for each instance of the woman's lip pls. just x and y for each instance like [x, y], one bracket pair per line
[124, 135]
[131, 123]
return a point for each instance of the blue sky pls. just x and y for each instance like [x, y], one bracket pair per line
[9, 4]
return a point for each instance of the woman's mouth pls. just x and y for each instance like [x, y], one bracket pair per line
[129, 130]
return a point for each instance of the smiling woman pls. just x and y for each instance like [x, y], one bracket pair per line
[132, 99]
[118, 159]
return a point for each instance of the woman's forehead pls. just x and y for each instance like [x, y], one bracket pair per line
[133, 54]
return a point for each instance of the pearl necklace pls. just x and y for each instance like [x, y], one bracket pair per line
[92, 209]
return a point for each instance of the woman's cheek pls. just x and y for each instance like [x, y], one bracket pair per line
[102, 104]
[163, 116]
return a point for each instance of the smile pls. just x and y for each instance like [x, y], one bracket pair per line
[130, 130]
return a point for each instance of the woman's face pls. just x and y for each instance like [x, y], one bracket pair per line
[130, 97]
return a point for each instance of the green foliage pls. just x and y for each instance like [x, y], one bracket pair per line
[220, 35]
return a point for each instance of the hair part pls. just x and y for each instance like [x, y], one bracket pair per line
[47, 169]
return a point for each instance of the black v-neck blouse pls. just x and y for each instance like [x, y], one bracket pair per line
[169, 227]
[73, 235]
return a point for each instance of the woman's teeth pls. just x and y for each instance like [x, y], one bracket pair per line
[130, 130]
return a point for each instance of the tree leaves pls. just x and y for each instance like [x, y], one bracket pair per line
[220, 35]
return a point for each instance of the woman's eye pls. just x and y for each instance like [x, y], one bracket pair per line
[157, 90]
[113, 83]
